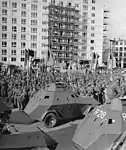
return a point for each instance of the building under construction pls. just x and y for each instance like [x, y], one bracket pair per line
[106, 40]
[63, 33]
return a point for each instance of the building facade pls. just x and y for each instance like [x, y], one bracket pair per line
[22, 26]
[92, 29]
[63, 33]
[34, 24]
[120, 52]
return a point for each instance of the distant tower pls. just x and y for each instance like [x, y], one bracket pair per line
[106, 13]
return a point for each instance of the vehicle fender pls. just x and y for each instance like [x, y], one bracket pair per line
[50, 111]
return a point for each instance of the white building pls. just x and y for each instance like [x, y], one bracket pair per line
[24, 25]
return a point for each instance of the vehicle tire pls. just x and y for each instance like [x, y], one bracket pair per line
[50, 120]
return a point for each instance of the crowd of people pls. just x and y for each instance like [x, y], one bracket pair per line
[17, 88]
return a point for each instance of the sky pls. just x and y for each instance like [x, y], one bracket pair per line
[117, 17]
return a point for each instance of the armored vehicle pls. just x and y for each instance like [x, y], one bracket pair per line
[104, 128]
[22, 137]
[56, 104]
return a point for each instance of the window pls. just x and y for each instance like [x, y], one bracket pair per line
[13, 59]
[4, 58]
[23, 21]
[23, 44]
[44, 22]
[14, 20]
[92, 41]
[44, 37]
[116, 43]
[22, 59]
[33, 14]
[43, 45]
[33, 30]
[14, 36]
[44, 30]
[23, 37]
[76, 5]
[23, 13]
[121, 48]
[46, 97]
[13, 44]
[33, 45]
[22, 52]
[4, 36]
[93, 15]
[92, 48]
[35, 1]
[23, 29]
[13, 52]
[93, 8]
[85, 7]
[14, 12]
[124, 48]
[84, 41]
[121, 42]
[4, 11]
[92, 34]
[85, 1]
[44, 7]
[34, 7]
[4, 44]
[14, 5]
[116, 48]
[4, 52]
[85, 21]
[34, 22]
[14, 28]
[33, 37]
[92, 21]
[85, 34]
[4, 28]
[84, 27]
[4, 20]
[92, 28]
[93, 1]
[83, 54]
[23, 6]
[4, 4]
[85, 14]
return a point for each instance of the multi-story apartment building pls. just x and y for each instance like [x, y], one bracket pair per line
[120, 52]
[32, 24]
[106, 40]
[22, 25]
[63, 33]
[92, 29]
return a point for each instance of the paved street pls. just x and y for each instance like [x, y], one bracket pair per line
[63, 135]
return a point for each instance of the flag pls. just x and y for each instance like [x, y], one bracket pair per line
[26, 58]
[94, 61]
[49, 61]
[111, 61]
[122, 63]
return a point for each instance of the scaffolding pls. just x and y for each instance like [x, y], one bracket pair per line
[63, 32]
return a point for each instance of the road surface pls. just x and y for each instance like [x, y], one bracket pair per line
[63, 135]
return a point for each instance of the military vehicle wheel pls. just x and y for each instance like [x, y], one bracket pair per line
[50, 120]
